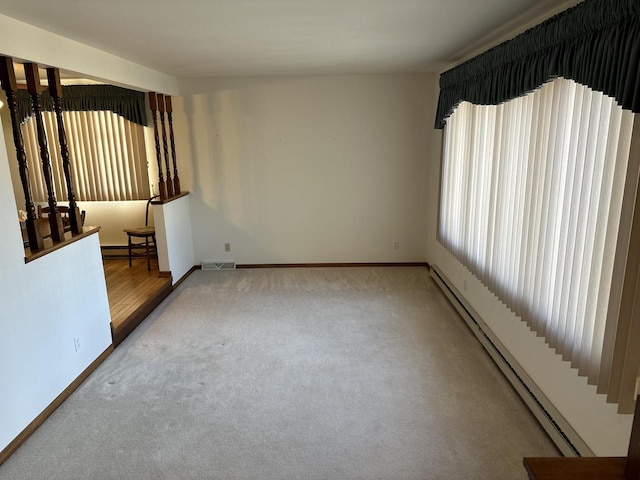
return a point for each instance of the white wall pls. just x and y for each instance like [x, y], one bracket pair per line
[598, 424]
[306, 169]
[174, 237]
[47, 303]
[44, 305]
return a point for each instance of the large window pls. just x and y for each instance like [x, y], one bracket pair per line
[532, 199]
[108, 156]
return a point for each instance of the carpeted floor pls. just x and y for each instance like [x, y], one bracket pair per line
[320, 373]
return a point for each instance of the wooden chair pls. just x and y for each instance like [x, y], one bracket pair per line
[147, 233]
[64, 212]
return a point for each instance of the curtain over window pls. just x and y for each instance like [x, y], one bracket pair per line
[538, 188]
[91, 98]
[596, 43]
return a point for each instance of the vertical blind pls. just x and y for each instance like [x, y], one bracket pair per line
[108, 156]
[532, 196]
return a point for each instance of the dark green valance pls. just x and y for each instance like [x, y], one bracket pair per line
[596, 43]
[91, 98]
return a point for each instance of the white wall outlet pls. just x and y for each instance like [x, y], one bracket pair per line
[76, 343]
[227, 247]
[395, 245]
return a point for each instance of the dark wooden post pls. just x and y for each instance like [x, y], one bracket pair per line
[55, 89]
[632, 465]
[169, 109]
[164, 144]
[162, 188]
[10, 87]
[34, 88]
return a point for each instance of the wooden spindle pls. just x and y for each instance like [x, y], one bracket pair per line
[176, 179]
[55, 89]
[165, 146]
[34, 88]
[10, 87]
[162, 188]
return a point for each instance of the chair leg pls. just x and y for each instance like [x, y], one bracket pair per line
[129, 250]
[146, 244]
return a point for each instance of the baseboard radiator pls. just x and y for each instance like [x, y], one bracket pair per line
[115, 251]
[563, 435]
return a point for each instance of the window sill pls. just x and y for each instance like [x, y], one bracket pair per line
[49, 246]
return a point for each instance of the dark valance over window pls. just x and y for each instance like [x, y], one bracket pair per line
[86, 98]
[596, 43]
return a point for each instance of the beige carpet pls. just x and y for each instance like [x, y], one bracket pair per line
[323, 373]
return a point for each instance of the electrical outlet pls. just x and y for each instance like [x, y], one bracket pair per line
[227, 247]
[395, 245]
[76, 343]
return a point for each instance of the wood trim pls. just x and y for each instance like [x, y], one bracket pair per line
[164, 274]
[575, 468]
[69, 238]
[184, 277]
[318, 265]
[46, 413]
[169, 200]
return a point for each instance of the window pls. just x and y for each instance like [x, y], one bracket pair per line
[532, 198]
[108, 157]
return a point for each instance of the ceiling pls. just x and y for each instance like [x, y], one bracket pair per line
[187, 38]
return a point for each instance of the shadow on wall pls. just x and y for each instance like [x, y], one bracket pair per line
[211, 213]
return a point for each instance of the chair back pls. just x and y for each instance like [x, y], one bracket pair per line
[64, 211]
[146, 215]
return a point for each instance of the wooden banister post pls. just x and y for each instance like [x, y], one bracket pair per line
[165, 146]
[176, 179]
[34, 88]
[55, 89]
[162, 188]
[10, 87]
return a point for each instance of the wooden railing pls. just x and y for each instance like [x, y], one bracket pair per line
[10, 87]
[168, 188]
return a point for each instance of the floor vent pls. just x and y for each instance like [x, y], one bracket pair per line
[218, 265]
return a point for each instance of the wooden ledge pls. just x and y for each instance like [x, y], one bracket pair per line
[52, 247]
[579, 468]
[169, 200]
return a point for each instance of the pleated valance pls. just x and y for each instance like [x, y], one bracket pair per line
[121, 101]
[596, 43]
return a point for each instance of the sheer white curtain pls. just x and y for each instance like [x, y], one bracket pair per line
[531, 199]
[108, 157]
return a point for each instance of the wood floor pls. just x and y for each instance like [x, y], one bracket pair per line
[133, 293]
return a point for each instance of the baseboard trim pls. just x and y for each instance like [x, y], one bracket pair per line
[320, 265]
[164, 274]
[184, 277]
[46, 413]
[141, 313]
